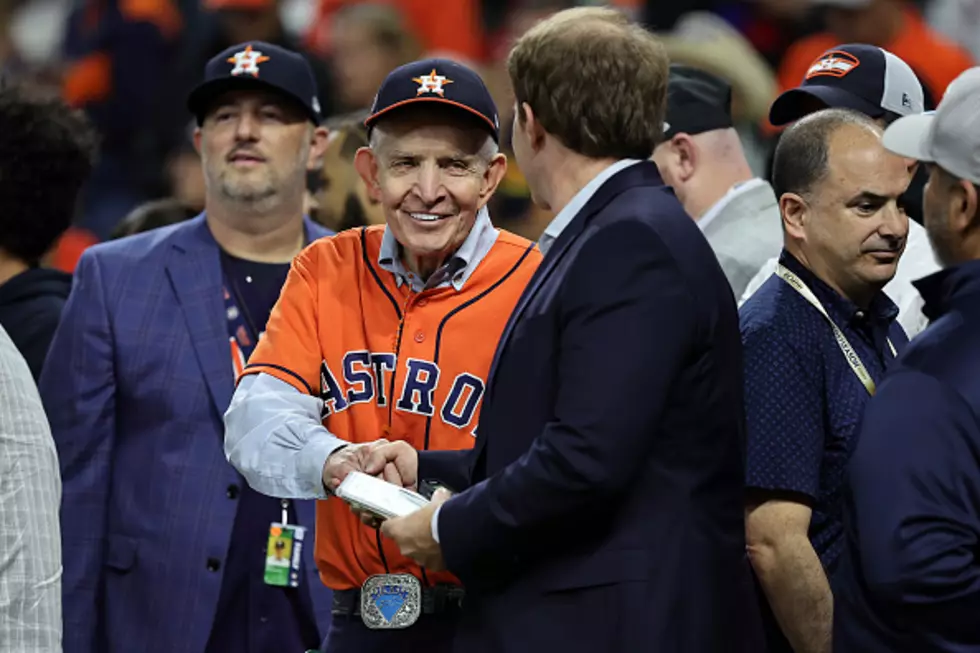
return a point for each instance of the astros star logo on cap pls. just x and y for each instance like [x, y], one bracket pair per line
[247, 62]
[431, 83]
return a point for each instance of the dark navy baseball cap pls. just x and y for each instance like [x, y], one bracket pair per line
[261, 66]
[697, 102]
[436, 80]
[854, 76]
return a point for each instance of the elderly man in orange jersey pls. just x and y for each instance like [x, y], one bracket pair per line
[387, 332]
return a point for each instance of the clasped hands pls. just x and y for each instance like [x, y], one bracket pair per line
[397, 463]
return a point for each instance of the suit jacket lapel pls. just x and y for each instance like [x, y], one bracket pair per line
[195, 273]
[644, 173]
[640, 174]
[555, 253]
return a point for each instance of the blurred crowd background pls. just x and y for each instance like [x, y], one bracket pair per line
[130, 63]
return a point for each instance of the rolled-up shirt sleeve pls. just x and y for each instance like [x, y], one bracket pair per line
[274, 437]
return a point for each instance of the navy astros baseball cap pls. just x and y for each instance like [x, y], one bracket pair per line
[697, 102]
[257, 65]
[436, 80]
[855, 76]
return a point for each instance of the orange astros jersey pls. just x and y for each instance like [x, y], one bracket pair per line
[387, 362]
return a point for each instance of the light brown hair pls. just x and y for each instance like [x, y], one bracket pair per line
[594, 80]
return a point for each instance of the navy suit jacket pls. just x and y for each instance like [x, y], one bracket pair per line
[136, 382]
[604, 509]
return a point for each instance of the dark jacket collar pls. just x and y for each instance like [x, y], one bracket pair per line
[882, 310]
[34, 283]
[644, 173]
[949, 288]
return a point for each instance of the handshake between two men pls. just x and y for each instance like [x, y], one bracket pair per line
[396, 463]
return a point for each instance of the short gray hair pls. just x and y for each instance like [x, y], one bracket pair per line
[487, 151]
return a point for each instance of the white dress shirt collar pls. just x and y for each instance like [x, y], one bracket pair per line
[578, 202]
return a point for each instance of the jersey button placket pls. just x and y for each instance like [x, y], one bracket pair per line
[416, 301]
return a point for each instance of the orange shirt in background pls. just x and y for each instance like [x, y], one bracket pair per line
[936, 60]
[440, 26]
[69, 248]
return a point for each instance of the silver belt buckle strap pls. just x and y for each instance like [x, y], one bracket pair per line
[391, 601]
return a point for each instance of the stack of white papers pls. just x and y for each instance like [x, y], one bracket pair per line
[378, 497]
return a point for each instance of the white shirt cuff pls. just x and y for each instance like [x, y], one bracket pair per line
[435, 524]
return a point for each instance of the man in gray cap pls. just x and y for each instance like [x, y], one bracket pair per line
[702, 158]
[909, 579]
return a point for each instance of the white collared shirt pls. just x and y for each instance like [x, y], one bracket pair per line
[578, 202]
[456, 270]
[733, 193]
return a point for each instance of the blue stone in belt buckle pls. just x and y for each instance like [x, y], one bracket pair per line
[391, 601]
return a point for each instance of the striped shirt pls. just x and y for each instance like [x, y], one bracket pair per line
[30, 538]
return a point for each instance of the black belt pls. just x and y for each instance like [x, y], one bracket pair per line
[438, 599]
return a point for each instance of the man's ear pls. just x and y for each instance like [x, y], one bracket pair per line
[366, 164]
[963, 203]
[534, 132]
[794, 210]
[197, 140]
[318, 145]
[492, 177]
[685, 157]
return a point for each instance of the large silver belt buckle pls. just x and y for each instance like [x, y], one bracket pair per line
[391, 601]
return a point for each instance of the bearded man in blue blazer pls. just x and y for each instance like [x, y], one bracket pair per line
[164, 543]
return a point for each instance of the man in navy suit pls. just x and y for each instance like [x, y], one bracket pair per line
[600, 509]
[164, 543]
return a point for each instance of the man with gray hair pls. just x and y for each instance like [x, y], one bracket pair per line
[387, 331]
[701, 157]
[910, 576]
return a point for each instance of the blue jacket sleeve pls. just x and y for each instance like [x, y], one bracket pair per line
[450, 468]
[914, 504]
[608, 405]
[78, 388]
